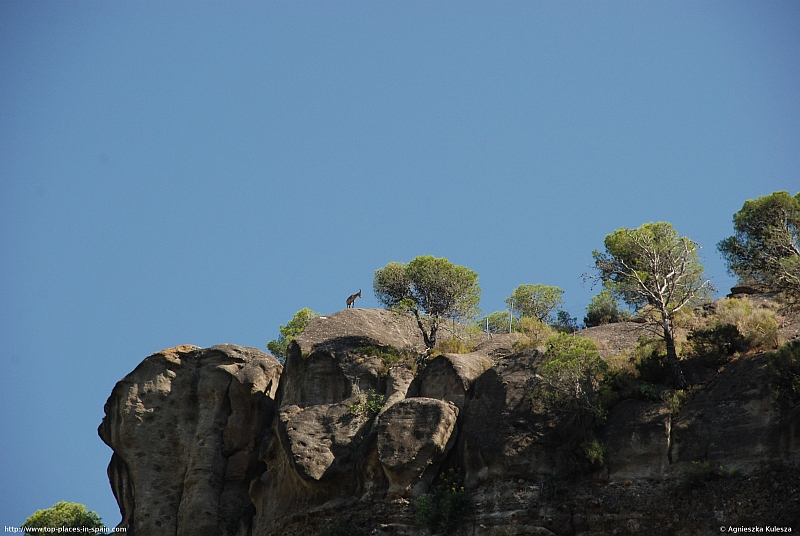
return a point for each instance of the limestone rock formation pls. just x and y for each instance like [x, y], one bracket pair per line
[414, 435]
[451, 376]
[226, 441]
[637, 440]
[735, 422]
[185, 427]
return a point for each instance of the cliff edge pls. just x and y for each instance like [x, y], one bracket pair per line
[227, 441]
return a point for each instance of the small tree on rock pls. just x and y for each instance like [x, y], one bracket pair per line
[535, 301]
[430, 288]
[292, 329]
[653, 265]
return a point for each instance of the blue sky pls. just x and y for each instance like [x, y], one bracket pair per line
[180, 172]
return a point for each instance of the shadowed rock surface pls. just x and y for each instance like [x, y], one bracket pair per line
[414, 436]
[226, 441]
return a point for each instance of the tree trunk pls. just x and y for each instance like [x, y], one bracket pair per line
[678, 381]
[430, 339]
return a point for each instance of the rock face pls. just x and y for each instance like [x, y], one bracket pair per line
[185, 426]
[637, 440]
[414, 436]
[226, 441]
[735, 422]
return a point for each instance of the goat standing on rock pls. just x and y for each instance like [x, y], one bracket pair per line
[352, 299]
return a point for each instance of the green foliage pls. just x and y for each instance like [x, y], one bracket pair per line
[445, 506]
[565, 323]
[785, 368]
[645, 391]
[535, 301]
[534, 333]
[627, 372]
[674, 400]
[499, 322]
[569, 386]
[594, 452]
[388, 354]
[766, 242]
[338, 527]
[604, 308]
[450, 346]
[698, 473]
[759, 326]
[63, 514]
[717, 343]
[650, 360]
[431, 289]
[653, 265]
[371, 402]
[292, 329]
[570, 373]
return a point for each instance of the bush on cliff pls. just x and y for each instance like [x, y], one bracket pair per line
[785, 368]
[568, 385]
[292, 329]
[445, 506]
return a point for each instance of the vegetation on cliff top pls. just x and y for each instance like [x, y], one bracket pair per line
[653, 265]
[430, 288]
[766, 244]
[290, 331]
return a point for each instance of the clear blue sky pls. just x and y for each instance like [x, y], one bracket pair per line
[183, 172]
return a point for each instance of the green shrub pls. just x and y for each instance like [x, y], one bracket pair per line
[594, 452]
[645, 391]
[717, 343]
[604, 309]
[445, 506]
[653, 367]
[565, 323]
[388, 354]
[569, 386]
[698, 473]
[533, 334]
[759, 326]
[372, 402]
[338, 527]
[674, 400]
[570, 374]
[450, 346]
[290, 331]
[785, 370]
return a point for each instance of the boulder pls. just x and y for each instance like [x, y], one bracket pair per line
[184, 427]
[352, 327]
[414, 436]
[451, 377]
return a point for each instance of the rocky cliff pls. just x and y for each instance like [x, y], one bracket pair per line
[227, 441]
